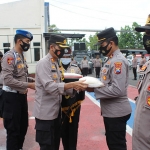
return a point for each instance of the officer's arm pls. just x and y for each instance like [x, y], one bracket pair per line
[118, 86]
[8, 64]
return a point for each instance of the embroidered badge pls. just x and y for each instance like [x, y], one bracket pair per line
[18, 58]
[53, 67]
[148, 100]
[104, 77]
[54, 76]
[10, 60]
[118, 66]
[52, 59]
[104, 71]
[19, 66]
[148, 89]
[67, 96]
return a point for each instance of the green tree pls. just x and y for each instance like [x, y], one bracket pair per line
[129, 38]
[92, 41]
[53, 28]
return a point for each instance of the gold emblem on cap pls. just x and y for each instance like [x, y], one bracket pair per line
[101, 39]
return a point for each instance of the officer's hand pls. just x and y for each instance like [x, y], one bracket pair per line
[80, 85]
[90, 89]
[31, 85]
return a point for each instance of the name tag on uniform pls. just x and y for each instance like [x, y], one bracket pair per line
[107, 66]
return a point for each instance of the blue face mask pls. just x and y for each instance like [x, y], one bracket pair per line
[65, 61]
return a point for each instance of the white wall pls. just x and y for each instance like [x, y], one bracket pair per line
[27, 15]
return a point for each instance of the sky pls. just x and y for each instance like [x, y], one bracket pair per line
[96, 14]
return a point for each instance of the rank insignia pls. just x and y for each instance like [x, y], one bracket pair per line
[10, 60]
[53, 67]
[19, 66]
[18, 58]
[104, 77]
[118, 66]
[52, 59]
[54, 76]
[148, 100]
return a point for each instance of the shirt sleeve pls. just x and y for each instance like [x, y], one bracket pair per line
[44, 74]
[8, 66]
[118, 85]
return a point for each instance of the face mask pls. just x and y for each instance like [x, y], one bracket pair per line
[65, 61]
[59, 53]
[146, 43]
[25, 46]
[104, 50]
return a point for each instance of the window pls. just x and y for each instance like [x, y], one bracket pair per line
[6, 44]
[36, 54]
[6, 49]
[36, 44]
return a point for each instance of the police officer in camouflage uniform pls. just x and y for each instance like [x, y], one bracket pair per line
[115, 106]
[70, 106]
[141, 128]
[48, 95]
[15, 84]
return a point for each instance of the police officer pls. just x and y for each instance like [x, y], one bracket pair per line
[134, 66]
[141, 128]
[142, 61]
[115, 106]
[48, 95]
[84, 66]
[97, 65]
[15, 84]
[70, 106]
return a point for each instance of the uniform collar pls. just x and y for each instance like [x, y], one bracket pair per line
[50, 58]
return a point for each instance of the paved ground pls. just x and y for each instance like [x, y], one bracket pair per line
[91, 129]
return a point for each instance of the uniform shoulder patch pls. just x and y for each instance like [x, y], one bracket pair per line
[74, 65]
[10, 60]
[118, 67]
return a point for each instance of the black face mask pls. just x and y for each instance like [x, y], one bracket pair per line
[104, 50]
[59, 53]
[25, 46]
[146, 43]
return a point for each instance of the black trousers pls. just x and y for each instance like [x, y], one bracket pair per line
[135, 73]
[116, 132]
[15, 119]
[69, 131]
[97, 69]
[48, 133]
[85, 71]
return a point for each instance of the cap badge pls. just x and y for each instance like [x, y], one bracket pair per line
[28, 35]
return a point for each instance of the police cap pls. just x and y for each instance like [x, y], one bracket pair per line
[105, 35]
[24, 33]
[60, 40]
[146, 27]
